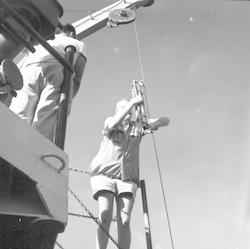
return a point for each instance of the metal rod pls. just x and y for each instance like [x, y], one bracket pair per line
[16, 35]
[140, 109]
[35, 35]
[137, 107]
[146, 215]
[60, 133]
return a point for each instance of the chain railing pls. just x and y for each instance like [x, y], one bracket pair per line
[97, 221]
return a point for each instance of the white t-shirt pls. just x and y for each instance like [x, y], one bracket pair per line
[59, 44]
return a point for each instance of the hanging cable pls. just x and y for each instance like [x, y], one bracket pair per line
[138, 49]
[154, 143]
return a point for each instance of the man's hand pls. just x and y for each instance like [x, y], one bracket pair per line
[137, 100]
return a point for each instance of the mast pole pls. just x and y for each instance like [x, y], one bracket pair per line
[146, 215]
[60, 133]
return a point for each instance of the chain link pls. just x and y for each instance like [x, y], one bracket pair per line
[59, 245]
[79, 170]
[90, 214]
[79, 215]
[94, 218]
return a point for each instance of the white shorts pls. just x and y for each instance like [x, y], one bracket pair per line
[116, 186]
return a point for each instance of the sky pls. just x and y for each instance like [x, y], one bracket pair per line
[194, 59]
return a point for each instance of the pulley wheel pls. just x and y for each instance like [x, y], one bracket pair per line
[121, 16]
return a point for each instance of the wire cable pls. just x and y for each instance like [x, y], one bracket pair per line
[154, 143]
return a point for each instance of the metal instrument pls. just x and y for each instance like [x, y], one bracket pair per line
[140, 112]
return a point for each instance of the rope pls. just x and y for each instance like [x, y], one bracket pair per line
[154, 143]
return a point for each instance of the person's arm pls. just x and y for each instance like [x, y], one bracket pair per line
[79, 69]
[120, 115]
[154, 124]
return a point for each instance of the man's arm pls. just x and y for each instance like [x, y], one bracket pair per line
[79, 69]
[154, 124]
[119, 116]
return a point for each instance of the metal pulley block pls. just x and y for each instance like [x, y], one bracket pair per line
[120, 16]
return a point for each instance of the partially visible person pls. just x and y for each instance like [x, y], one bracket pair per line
[10, 81]
[38, 101]
[115, 169]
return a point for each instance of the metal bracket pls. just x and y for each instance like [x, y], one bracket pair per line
[50, 155]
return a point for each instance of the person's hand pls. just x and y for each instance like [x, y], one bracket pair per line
[137, 100]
